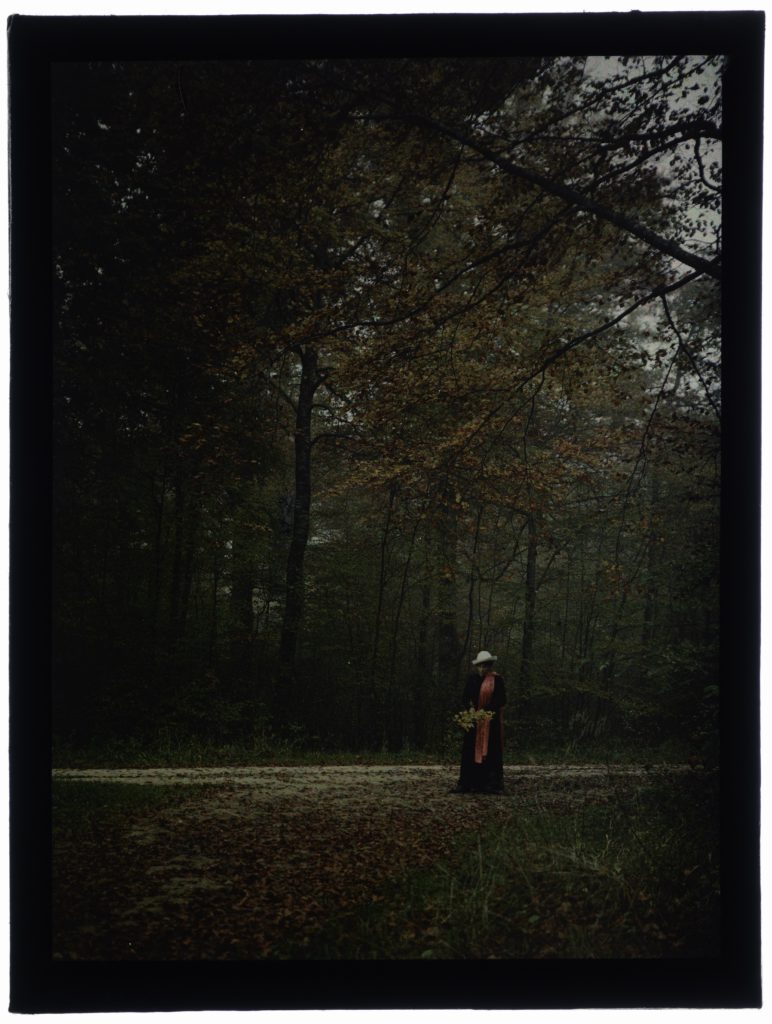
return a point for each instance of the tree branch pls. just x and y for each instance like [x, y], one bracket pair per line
[573, 197]
[559, 352]
[657, 293]
[279, 390]
[703, 179]
[690, 355]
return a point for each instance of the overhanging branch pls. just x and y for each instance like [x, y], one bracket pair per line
[577, 199]
[690, 355]
[562, 350]
[657, 293]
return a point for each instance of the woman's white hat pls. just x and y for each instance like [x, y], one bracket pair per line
[482, 657]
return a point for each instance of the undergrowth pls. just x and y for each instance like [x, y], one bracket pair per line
[77, 805]
[625, 869]
[631, 874]
[186, 753]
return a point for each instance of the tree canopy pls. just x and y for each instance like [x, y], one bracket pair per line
[363, 365]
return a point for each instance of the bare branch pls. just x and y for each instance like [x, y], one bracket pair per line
[690, 355]
[576, 199]
[562, 350]
[657, 293]
[703, 179]
[275, 386]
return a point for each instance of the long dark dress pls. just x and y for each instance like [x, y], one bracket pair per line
[490, 774]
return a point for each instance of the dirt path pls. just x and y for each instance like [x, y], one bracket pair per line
[253, 855]
[282, 778]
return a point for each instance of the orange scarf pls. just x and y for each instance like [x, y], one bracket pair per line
[484, 727]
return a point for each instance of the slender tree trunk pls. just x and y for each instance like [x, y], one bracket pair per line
[392, 689]
[472, 579]
[526, 661]
[565, 614]
[652, 553]
[301, 521]
[394, 641]
[154, 585]
[214, 631]
[242, 579]
[381, 585]
[447, 637]
[187, 571]
[176, 586]
[424, 676]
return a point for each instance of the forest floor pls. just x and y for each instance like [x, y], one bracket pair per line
[292, 780]
[373, 861]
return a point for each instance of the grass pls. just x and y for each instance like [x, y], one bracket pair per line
[625, 869]
[194, 754]
[171, 752]
[634, 875]
[80, 805]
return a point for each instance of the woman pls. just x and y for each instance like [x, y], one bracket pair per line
[482, 756]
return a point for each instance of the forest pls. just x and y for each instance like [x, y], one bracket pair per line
[362, 366]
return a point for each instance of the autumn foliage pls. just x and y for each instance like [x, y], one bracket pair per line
[362, 366]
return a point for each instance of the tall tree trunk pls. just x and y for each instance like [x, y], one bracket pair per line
[154, 582]
[419, 692]
[526, 661]
[176, 585]
[566, 611]
[214, 631]
[447, 635]
[424, 676]
[242, 581]
[301, 520]
[652, 558]
[187, 572]
[381, 585]
[472, 580]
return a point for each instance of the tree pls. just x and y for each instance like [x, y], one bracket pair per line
[411, 357]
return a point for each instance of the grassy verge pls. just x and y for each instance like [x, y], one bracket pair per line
[192, 754]
[80, 805]
[625, 867]
[632, 874]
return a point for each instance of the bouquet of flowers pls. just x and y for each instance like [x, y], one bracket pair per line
[469, 718]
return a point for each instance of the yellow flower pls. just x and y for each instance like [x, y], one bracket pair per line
[469, 718]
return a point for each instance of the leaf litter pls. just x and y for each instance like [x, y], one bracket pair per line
[256, 860]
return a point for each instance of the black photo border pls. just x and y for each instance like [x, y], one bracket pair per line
[38, 984]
